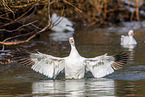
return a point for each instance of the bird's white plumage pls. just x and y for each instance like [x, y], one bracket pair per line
[74, 64]
[128, 40]
[74, 67]
[62, 23]
[47, 64]
[100, 66]
[61, 36]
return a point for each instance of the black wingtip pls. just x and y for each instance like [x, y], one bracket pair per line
[120, 59]
[22, 57]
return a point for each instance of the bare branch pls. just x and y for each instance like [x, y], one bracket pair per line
[72, 6]
[19, 27]
[19, 17]
[20, 42]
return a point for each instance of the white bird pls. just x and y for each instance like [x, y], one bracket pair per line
[75, 65]
[61, 36]
[128, 40]
[61, 23]
[51, 66]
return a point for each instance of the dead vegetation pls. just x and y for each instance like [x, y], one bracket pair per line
[25, 19]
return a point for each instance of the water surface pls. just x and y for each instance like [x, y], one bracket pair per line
[18, 80]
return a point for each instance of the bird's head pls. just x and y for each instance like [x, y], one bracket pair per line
[71, 41]
[130, 33]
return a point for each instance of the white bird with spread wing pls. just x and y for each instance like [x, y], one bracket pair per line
[75, 65]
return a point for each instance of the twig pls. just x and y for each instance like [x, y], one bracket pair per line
[19, 17]
[57, 21]
[48, 26]
[21, 6]
[72, 5]
[18, 36]
[19, 42]
[137, 10]
[3, 48]
[28, 15]
[18, 27]
[7, 7]
[105, 9]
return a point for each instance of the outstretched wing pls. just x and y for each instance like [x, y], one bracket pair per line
[103, 65]
[47, 64]
[42, 63]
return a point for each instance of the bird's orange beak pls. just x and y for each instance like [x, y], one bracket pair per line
[71, 40]
[132, 34]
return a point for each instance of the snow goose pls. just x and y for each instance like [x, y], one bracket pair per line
[61, 23]
[128, 40]
[74, 64]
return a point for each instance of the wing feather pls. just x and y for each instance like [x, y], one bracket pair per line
[47, 64]
[42, 63]
[100, 66]
[103, 65]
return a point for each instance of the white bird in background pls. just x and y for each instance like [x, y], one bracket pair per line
[61, 36]
[74, 64]
[61, 23]
[128, 40]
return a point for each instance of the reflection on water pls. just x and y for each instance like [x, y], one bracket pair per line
[75, 87]
[101, 87]
[129, 88]
[130, 50]
[131, 55]
[60, 36]
[47, 87]
[83, 87]
[129, 47]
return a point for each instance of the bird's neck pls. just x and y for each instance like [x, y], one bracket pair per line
[74, 51]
